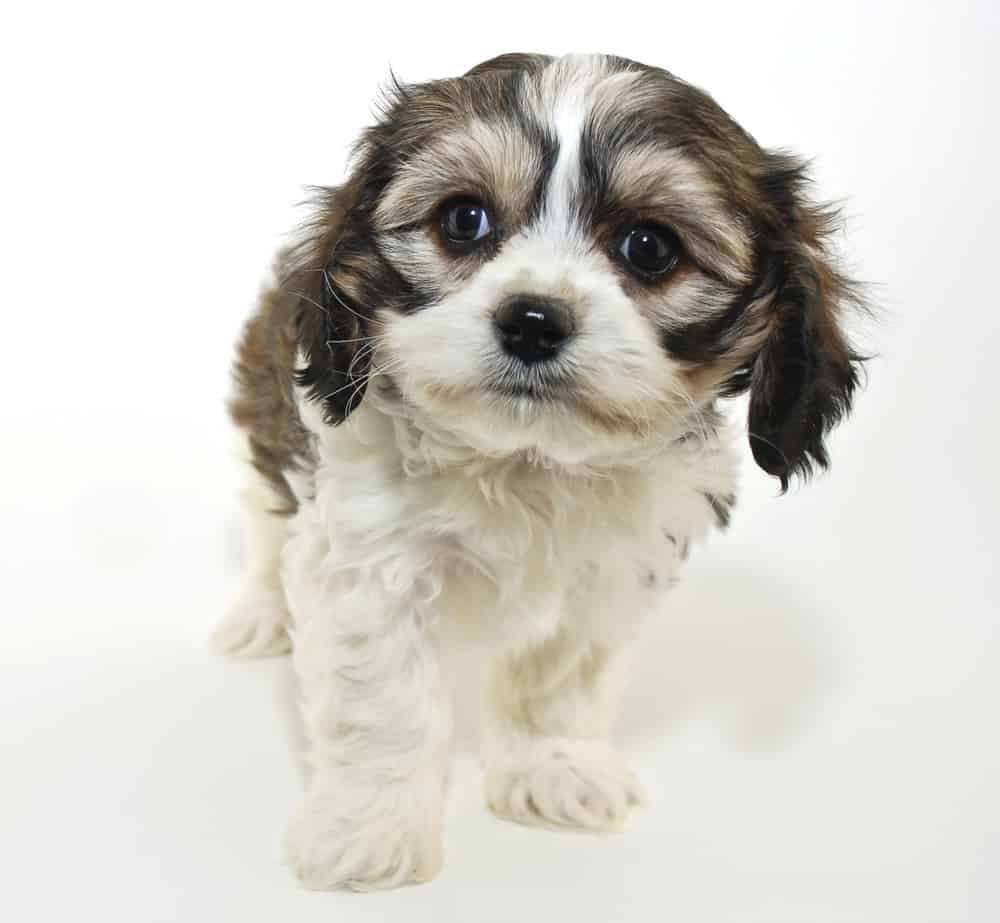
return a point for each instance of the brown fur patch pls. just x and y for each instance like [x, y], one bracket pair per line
[289, 314]
[495, 163]
[670, 188]
[633, 419]
[264, 402]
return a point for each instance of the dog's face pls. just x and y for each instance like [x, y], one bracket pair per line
[571, 256]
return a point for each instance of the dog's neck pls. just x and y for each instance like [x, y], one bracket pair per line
[425, 445]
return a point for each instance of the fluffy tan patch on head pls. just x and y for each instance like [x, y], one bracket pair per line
[674, 157]
[671, 188]
[492, 161]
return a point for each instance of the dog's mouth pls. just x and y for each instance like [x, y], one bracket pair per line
[523, 391]
[543, 383]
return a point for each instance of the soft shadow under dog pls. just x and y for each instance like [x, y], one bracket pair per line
[737, 645]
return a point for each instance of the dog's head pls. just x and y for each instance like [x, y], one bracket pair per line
[571, 256]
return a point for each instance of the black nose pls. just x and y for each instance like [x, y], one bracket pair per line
[533, 327]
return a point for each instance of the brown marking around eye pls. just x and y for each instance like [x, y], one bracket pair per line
[670, 189]
[492, 162]
[663, 149]
[647, 292]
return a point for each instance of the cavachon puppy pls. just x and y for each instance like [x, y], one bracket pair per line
[479, 402]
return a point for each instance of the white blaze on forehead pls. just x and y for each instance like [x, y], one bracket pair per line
[565, 99]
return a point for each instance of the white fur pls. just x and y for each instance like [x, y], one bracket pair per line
[441, 523]
[415, 553]
[565, 102]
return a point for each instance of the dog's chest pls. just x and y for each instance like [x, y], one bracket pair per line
[519, 556]
[509, 552]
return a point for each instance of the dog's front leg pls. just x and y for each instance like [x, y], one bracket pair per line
[376, 720]
[545, 749]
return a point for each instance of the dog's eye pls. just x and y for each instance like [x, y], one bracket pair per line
[650, 249]
[465, 221]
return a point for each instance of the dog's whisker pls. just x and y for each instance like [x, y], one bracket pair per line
[363, 379]
[312, 301]
[332, 289]
[356, 339]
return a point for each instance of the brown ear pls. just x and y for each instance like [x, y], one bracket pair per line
[805, 375]
[333, 330]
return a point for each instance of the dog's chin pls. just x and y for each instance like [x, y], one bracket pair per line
[550, 422]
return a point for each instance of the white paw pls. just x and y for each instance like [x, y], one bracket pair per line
[256, 623]
[391, 838]
[564, 783]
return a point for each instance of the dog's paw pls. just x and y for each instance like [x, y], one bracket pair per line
[256, 624]
[564, 783]
[392, 840]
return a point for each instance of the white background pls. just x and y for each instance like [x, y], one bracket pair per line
[815, 714]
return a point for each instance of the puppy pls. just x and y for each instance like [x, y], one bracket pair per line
[479, 402]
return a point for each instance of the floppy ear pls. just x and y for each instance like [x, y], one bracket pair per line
[804, 377]
[333, 330]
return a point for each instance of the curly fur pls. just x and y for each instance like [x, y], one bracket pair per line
[419, 498]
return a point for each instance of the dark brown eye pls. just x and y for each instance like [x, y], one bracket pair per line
[650, 249]
[465, 221]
